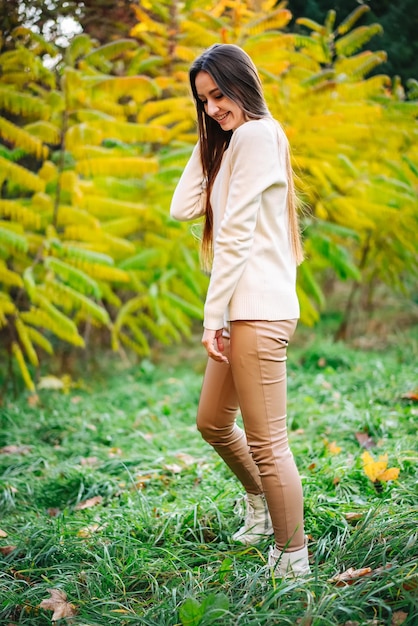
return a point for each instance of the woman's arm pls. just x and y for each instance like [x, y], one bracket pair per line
[189, 198]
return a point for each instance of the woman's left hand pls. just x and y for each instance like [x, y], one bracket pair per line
[214, 344]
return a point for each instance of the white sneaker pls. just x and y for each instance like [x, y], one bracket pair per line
[289, 564]
[257, 524]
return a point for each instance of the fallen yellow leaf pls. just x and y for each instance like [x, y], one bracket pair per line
[390, 474]
[333, 448]
[378, 470]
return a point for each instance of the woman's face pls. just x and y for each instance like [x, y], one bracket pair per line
[222, 109]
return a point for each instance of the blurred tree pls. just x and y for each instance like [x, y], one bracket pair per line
[90, 154]
[104, 20]
[398, 19]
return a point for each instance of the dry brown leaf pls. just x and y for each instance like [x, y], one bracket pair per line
[15, 449]
[89, 461]
[19, 576]
[365, 440]
[411, 584]
[87, 531]
[33, 399]
[187, 459]
[141, 481]
[410, 395]
[89, 503]
[173, 467]
[53, 511]
[58, 603]
[398, 618]
[353, 516]
[3, 533]
[5, 550]
[350, 576]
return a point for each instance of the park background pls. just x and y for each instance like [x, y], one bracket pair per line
[126, 512]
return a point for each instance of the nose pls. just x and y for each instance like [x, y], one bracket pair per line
[212, 107]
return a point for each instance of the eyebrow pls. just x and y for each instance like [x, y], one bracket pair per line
[200, 96]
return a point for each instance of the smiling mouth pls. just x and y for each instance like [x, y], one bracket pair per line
[221, 118]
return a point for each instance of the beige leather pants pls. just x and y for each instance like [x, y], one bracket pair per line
[255, 383]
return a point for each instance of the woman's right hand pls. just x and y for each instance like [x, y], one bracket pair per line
[214, 344]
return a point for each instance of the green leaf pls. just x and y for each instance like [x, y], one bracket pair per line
[191, 612]
[214, 606]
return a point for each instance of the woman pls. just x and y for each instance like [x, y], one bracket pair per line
[239, 177]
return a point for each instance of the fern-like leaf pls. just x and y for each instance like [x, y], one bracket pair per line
[21, 214]
[24, 104]
[20, 176]
[39, 339]
[74, 277]
[354, 40]
[45, 131]
[131, 167]
[12, 240]
[26, 342]
[20, 360]
[348, 23]
[8, 277]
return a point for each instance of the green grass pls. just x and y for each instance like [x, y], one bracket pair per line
[156, 550]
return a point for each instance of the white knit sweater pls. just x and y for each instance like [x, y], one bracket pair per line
[254, 272]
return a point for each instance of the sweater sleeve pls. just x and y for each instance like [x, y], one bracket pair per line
[189, 198]
[255, 167]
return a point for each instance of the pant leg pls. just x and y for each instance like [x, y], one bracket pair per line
[218, 407]
[258, 363]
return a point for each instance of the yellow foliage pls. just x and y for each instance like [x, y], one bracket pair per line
[20, 359]
[23, 104]
[20, 176]
[45, 131]
[47, 172]
[26, 342]
[129, 167]
[105, 208]
[275, 20]
[18, 136]
[139, 88]
[25, 216]
[39, 339]
[122, 227]
[68, 215]
[8, 277]
[378, 470]
[81, 136]
[49, 319]
[103, 272]
[7, 307]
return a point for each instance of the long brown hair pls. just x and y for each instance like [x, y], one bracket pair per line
[236, 77]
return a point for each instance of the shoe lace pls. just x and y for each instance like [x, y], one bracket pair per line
[244, 508]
